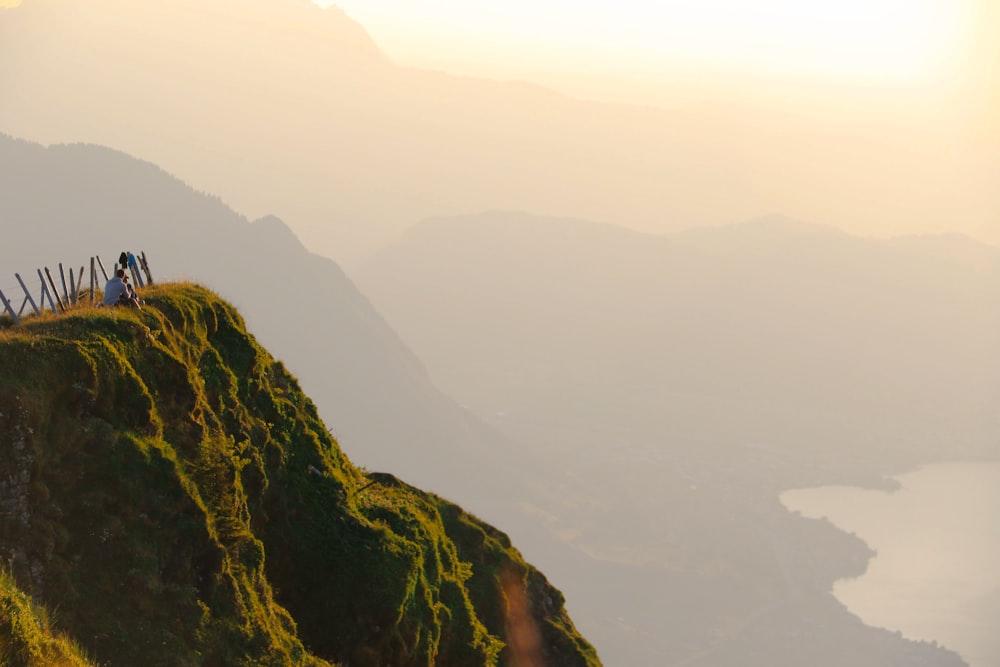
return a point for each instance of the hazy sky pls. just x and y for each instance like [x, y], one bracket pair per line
[877, 116]
[853, 40]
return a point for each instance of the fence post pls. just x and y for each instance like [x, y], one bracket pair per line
[28, 294]
[10, 309]
[101, 264]
[93, 279]
[134, 267]
[72, 287]
[62, 277]
[46, 293]
[145, 267]
[55, 292]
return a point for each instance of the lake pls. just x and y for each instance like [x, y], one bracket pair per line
[937, 573]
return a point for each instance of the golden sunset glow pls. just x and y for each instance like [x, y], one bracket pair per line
[649, 285]
[859, 40]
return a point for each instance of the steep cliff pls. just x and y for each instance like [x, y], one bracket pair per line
[169, 490]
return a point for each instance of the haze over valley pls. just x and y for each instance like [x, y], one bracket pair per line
[706, 370]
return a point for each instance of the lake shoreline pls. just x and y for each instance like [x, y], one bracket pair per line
[897, 591]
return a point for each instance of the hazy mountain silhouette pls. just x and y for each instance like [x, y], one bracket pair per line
[281, 107]
[799, 328]
[66, 203]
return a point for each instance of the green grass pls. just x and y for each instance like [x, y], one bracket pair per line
[26, 636]
[165, 506]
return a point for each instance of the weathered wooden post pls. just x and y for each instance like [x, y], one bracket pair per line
[10, 309]
[101, 264]
[135, 268]
[62, 277]
[45, 293]
[145, 267]
[27, 295]
[55, 293]
[72, 288]
[93, 279]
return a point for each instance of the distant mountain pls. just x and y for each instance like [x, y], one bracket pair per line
[512, 312]
[67, 203]
[282, 107]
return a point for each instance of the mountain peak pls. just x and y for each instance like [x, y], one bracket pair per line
[274, 232]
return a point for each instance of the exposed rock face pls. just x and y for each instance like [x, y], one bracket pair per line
[17, 460]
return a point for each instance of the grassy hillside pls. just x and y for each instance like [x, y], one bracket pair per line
[26, 637]
[170, 490]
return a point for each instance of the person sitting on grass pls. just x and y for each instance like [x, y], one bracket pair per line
[119, 293]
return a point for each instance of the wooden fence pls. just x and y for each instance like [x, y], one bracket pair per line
[74, 291]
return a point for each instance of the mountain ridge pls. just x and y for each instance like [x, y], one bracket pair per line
[119, 201]
[187, 506]
[371, 390]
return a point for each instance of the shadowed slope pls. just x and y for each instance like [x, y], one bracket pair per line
[26, 636]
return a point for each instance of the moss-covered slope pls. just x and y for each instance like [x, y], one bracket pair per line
[26, 637]
[166, 486]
